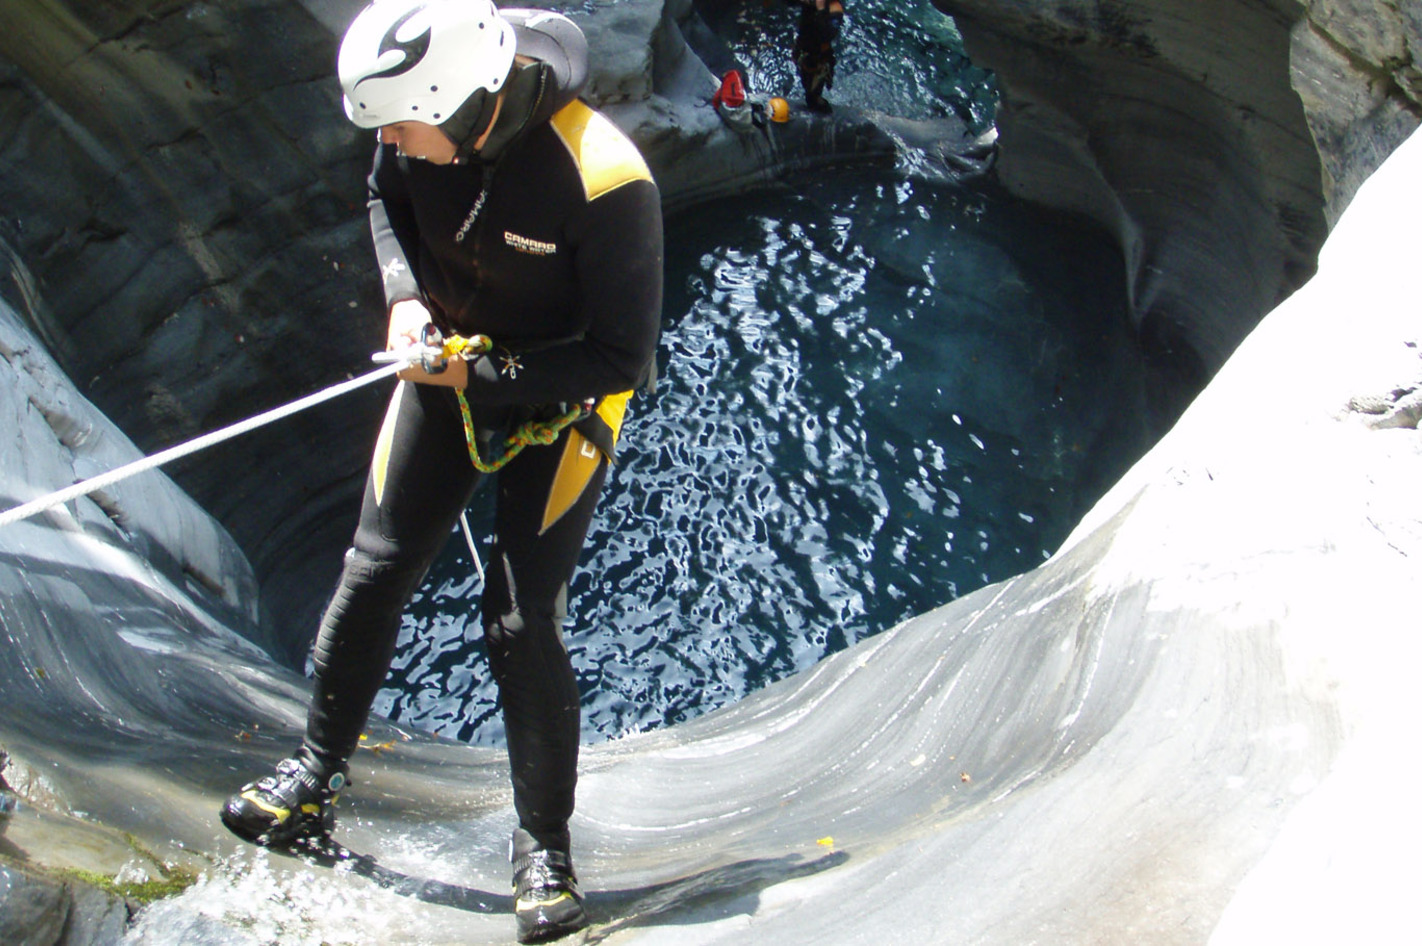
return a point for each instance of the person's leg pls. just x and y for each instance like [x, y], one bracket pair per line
[419, 481]
[545, 505]
[815, 59]
[524, 606]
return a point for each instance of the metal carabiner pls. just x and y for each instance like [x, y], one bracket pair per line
[434, 359]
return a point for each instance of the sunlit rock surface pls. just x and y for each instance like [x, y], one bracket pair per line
[1191, 724]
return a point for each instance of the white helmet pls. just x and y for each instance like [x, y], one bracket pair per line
[421, 60]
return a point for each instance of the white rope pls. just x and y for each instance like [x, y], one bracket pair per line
[469, 538]
[34, 506]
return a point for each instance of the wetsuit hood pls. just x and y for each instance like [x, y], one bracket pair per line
[536, 90]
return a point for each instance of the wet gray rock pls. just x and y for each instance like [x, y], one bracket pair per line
[32, 908]
[39, 910]
[1357, 67]
[183, 221]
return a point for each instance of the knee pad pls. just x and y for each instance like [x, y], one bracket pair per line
[371, 595]
[518, 613]
[517, 634]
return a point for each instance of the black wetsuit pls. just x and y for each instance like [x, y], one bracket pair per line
[555, 252]
[814, 48]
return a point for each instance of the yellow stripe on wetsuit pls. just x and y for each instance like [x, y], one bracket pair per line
[380, 463]
[580, 460]
[605, 157]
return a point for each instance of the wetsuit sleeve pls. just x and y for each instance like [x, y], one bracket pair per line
[392, 227]
[619, 269]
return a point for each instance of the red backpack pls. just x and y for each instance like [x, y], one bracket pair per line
[732, 92]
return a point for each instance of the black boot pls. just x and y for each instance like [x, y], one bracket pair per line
[293, 804]
[547, 901]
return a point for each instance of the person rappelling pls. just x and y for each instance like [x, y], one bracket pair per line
[511, 217]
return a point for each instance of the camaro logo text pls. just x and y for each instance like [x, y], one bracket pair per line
[525, 245]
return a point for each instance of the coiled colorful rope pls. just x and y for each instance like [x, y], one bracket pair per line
[529, 433]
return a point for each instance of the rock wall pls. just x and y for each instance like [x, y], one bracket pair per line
[184, 230]
[1174, 125]
[1216, 139]
[57, 437]
[1357, 67]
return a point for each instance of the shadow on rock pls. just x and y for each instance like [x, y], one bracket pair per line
[701, 897]
[326, 852]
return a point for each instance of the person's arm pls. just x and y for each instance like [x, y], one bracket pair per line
[393, 231]
[392, 228]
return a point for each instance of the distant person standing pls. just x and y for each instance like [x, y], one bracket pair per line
[814, 48]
